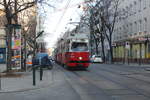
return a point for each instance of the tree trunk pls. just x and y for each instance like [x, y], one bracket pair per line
[96, 44]
[22, 54]
[103, 51]
[9, 48]
[111, 51]
[25, 53]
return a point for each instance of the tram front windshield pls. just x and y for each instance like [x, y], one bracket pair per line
[78, 46]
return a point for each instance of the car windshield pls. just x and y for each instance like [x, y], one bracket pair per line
[98, 56]
[41, 55]
[77, 46]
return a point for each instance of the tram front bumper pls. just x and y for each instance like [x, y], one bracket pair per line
[78, 64]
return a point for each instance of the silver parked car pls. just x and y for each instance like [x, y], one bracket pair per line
[96, 59]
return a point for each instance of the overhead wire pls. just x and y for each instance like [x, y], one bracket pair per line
[66, 7]
[74, 5]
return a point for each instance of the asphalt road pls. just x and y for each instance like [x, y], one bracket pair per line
[98, 82]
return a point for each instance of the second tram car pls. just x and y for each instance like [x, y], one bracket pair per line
[73, 50]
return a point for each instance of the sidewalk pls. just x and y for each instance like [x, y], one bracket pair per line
[132, 64]
[23, 81]
[145, 67]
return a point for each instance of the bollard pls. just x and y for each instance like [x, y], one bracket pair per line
[41, 70]
[34, 81]
[41, 73]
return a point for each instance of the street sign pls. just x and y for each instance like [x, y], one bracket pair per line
[127, 45]
[114, 44]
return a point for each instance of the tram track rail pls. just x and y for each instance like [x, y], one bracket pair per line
[138, 91]
[124, 85]
[128, 75]
[68, 72]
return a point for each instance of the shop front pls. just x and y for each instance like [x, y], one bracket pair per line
[133, 51]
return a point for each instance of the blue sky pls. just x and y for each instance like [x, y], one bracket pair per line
[56, 20]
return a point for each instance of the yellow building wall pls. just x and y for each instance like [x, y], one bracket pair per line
[148, 51]
[143, 50]
[134, 51]
[119, 52]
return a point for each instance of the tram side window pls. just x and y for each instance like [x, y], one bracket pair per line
[63, 48]
[79, 46]
[67, 46]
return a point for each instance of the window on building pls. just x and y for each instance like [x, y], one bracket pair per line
[131, 9]
[135, 27]
[140, 25]
[120, 30]
[144, 4]
[117, 31]
[145, 25]
[127, 12]
[127, 29]
[131, 30]
[140, 5]
[148, 3]
[135, 6]
[123, 12]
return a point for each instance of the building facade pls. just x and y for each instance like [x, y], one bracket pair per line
[40, 18]
[39, 28]
[2, 45]
[2, 38]
[131, 38]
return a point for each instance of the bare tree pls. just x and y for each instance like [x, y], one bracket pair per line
[12, 8]
[96, 27]
[107, 11]
[98, 30]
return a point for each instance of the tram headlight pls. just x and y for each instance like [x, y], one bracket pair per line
[80, 58]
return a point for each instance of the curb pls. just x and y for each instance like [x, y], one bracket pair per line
[27, 89]
[134, 65]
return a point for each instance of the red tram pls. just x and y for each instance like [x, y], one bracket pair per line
[73, 50]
